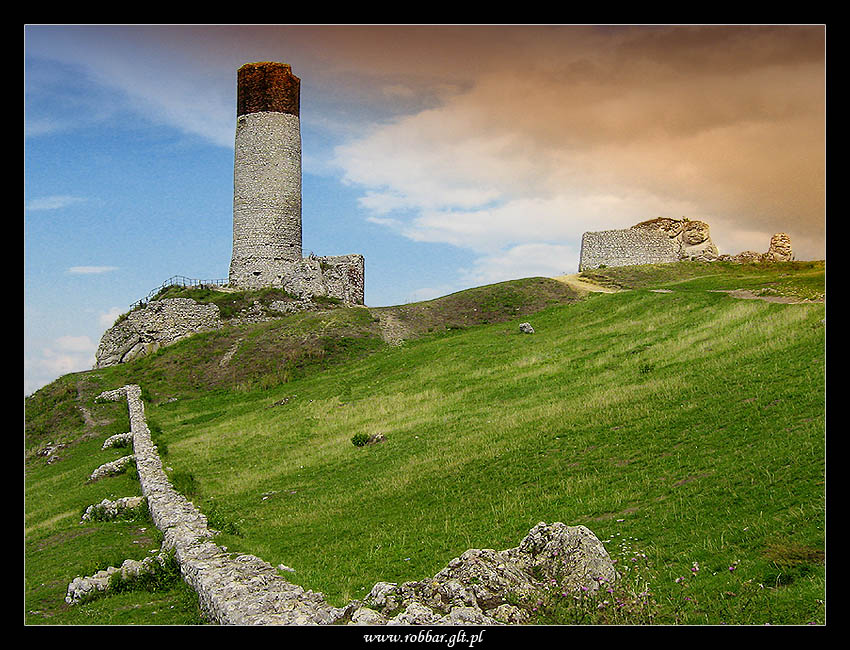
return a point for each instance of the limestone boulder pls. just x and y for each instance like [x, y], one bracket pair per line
[572, 556]
[694, 232]
[484, 585]
[691, 236]
[780, 248]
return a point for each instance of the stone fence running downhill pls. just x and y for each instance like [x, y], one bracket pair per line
[481, 587]
[240, 590]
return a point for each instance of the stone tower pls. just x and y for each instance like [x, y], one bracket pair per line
[267, 195]
[266, 175]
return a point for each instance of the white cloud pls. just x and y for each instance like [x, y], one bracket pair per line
[66, 354]
[88, 270]
[429, 293]
[56, 202]
[522, 261]
[479, 181]
[601, 138]
[75, 344]
[108, 318]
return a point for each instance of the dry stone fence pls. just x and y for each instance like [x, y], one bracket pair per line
[480, 587]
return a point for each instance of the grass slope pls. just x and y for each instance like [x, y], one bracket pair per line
[685, 428]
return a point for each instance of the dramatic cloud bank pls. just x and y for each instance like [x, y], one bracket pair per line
[584, 129]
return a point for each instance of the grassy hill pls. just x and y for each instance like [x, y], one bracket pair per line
[682, 424]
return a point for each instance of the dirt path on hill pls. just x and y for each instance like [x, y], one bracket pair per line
[392, 329]
[581, 284]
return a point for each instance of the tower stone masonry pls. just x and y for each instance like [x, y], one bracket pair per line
[267, 243]
[266, 175]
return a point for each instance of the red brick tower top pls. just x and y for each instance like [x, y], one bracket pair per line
[267, 87]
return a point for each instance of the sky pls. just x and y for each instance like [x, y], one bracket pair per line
[450, 156]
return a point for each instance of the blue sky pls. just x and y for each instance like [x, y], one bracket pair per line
[449, 156]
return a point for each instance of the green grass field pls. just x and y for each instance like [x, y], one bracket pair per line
[686, 429]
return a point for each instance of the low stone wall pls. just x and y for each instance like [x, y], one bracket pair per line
[233, 590]
[481, 587]
[160, 323]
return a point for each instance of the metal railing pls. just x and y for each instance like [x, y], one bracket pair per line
[179, 281]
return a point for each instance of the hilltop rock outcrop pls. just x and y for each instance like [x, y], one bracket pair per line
[778, 251]
[780, 248]
[691, 236]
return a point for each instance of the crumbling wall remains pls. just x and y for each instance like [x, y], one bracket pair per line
[656, 241]
[626, 248]
[160, 323]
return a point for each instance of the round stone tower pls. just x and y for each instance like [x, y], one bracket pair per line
[266, 175]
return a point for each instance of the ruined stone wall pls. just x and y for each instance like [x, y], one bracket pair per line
[625, 248]
[232, 589]
[340, 277]
[161, 323]
[656, 241]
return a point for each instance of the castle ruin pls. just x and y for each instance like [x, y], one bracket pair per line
[267, 194]
[267, 249]
[664, 240]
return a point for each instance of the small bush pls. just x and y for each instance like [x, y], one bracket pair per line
[359, 439]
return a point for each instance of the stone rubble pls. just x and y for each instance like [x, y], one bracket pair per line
[118, 440]
[107, 509]
[83, 588]
[481, 587]
[111, 468]
[49, 452]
